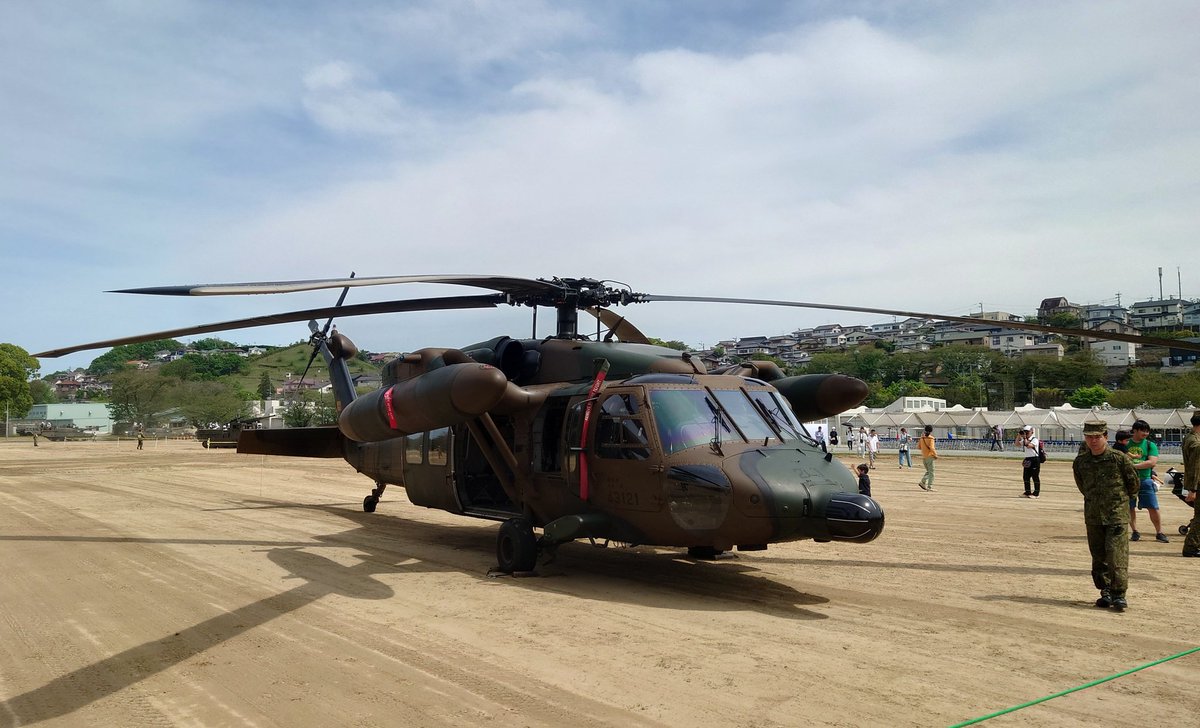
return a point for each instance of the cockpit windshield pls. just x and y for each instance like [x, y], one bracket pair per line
[682, 417]
[687, 418]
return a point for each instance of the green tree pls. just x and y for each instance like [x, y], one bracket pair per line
[201, 367]
[1046, 397]
[882, 395]
[208, 403]
[679, 345]
[1087, 397]
[212, 344]
[265, 390]
[138, 397]
[1146, 387]
[17, 367]
[310, 409]
[114, 359]
[42, 392]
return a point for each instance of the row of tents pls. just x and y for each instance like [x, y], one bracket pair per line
[1055, 423]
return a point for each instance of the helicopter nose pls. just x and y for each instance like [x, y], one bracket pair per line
[807, 496]
[853, 517]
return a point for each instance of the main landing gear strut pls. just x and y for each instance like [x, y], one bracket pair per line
[516, 546]
[372, 500]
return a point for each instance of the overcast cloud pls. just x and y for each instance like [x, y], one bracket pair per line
[928, 156]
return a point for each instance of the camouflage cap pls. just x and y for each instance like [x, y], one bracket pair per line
[1095, 427]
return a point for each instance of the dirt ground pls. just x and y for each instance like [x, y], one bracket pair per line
[183, 587]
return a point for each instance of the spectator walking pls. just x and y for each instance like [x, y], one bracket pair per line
[928, 455]
[997, 438]
[1106, 479]
[862, 442]
[872, 447]
[1144, 454]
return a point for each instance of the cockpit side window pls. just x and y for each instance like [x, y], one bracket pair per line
[621, 430]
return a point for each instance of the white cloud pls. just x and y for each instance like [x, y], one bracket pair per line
[999, 155]
[345, 100]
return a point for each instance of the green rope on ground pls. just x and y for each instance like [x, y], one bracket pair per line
[982, 718]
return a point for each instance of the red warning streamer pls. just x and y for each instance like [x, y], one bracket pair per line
[597, 383]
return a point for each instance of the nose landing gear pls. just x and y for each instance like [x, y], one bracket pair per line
[372, 500]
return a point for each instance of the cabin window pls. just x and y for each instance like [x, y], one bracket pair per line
[412, 448]
[439, 446]
[620, 432]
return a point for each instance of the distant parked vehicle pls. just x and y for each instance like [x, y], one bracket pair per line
[61, 433]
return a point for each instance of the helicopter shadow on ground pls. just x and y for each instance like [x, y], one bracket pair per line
[642, 576]
[319, 577]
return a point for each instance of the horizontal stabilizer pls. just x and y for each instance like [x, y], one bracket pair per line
[298, 442]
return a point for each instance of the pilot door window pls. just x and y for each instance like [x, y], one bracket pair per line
[620, 431]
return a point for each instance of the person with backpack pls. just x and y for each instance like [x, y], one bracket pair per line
[1032, 464]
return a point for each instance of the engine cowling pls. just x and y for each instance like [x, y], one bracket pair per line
[440, 398]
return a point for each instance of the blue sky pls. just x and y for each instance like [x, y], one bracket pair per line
[928, 156]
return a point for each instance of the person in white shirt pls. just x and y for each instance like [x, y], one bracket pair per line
[1031, 465]
[872, 447]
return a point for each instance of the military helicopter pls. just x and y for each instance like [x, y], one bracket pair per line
[606, 437]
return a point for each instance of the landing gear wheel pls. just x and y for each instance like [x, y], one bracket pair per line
[516, 547]
[1183, 530]
[704, 553]
[369, 503]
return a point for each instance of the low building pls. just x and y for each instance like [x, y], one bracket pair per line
[1052, 350]
[84, 415]
[916, 404]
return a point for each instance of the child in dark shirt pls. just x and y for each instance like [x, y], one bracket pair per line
[864, 479]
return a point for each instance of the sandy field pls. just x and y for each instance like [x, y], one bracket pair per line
[183, 587]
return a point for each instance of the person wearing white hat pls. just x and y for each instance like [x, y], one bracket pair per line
[1031, 466]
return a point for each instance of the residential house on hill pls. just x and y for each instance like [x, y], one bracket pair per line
[1160, 314]
[1051, 307]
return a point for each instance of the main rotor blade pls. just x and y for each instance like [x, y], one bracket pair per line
[504, 284]
[361, 309]
[990, 323]
[618, 326]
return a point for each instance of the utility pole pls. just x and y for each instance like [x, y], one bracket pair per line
[1160, 293]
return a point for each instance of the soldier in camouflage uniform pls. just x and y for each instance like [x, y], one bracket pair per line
[1107, 480]
[1191, 483]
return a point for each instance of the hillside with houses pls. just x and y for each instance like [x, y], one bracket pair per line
[1158, 317]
